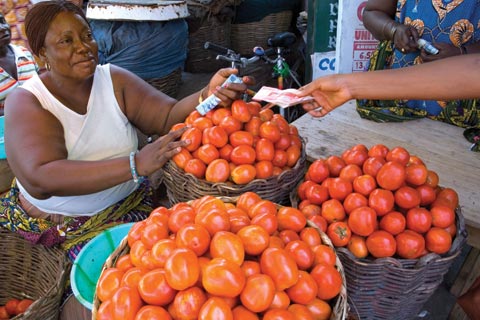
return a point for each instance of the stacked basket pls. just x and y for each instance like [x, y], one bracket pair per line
[32, 272]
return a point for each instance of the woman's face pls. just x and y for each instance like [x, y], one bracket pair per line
[69, 47]
[5, 33]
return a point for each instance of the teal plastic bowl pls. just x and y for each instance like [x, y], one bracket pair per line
[89, 263]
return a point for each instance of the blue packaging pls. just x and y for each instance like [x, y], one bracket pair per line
[212, 101]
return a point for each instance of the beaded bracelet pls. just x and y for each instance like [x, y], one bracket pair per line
[133, 169]
[200, 98]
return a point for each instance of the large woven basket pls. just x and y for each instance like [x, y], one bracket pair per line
[389, 288]
[168, 84]
[32, 272]
[339, 304]
[246, 36]
[201, 60]
[182, 187]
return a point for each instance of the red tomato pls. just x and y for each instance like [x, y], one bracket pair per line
[219, 114]
[328, 279]
[290, 218]
[354, 200]
[215, 135]
[258, 293]
[350, 172]
[263, 169]
[188, 302]
[339, 188]
[438, 240]
[278, 314]
[391, 175]
[316, 194]
[280, 300]
[393, 222]
[311, 236]
[442, 216]
[381, 244]
[241, 313]
[202, 123]
[132, 276]
[154, 289]
[152, 313]
[407, 197]
[270, 130]
[280, 158]
[301, 253]
[427, 194]
[416, 174]
[125, 303]
[195, 136]
[419, 220]
[247, 199]
[240, 111]
[152, 233]
[264, 149]
[305, 290]
[108, 283]
[182, 269]
[363, 221]
[230, 124]
[364, 184]
[372, 165]
[240, 137]
[398, 154]
[339, 232]
[179, 217]
[358, 246]
[410, 244]
[332, 210]
[253, 126]
[135, 232]
[3, 313]
[243, 173]
[104, 311]
[217, 171]
[280, 266]
[382, 201]
[11, 307]
[335, 165]
[318, 171]
[320, 309]
[207, 153]
[223, 278]
[215, 308]
[378, 150]
[227, 245]
[243, 154]
[255, 239]
[267, 221]
[23, 305]
[324, 254]
[194, 237]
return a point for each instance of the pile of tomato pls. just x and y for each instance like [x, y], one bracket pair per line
[210, 259]
[239, 144]
[380, 202]
[14, 307]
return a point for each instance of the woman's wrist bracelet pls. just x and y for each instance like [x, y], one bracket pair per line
[133, 168]
[200, 97]
[389, 29]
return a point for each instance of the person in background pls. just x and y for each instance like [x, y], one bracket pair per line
[450, 26]
[17, 64]
[73, 148]
[425, 81]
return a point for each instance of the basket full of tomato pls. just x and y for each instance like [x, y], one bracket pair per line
[234, 150]
[223, 258]
[395, 229]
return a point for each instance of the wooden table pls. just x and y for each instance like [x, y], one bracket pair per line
[441, 146]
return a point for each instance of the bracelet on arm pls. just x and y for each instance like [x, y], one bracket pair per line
[200, 97]
[133, 169]
[389, 29]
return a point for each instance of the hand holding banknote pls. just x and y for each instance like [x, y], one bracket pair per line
[282, 98]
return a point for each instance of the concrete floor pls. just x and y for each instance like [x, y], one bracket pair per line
[440, 304]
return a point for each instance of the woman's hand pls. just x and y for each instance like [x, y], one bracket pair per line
[230, 92]
[155, 155]
[328, 93]
[445, 50]
[405, 38]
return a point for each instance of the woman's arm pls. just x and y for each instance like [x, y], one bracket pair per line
[379, 18]
[447, 79]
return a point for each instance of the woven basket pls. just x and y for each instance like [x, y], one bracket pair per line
[201, 60]
[168, 84]
[182, 187]
[32, 272]
[340, 304]
[246, 36]
[389, 288]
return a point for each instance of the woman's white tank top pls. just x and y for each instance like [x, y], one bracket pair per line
[104, 132]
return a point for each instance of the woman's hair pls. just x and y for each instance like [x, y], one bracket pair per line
[39, 17]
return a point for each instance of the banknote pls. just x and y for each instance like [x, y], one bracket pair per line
[282, 98]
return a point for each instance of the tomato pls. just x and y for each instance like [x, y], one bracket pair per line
[240, 137]
[432, 179]
[225, 152]
[188, 302]
[427, 194]
[267, 221]
[416, 174]
[301, 253]
[328, 279]
[378, 150]
[104, 311]
[215, 135]
[137, 250]
[335, 165]
[339, 232]
[288, 235]
[219, 114]
[182, 269]
[230, 124]
[179, 217]
[192, 117]
[280, 300]
[324, 254]
[407, 197]
[278, 314]
[243, 154]
[255, 239]
[250, 267]
[202, 123]
[293, 154]
[264, 149]
[227, 245]
[354, 200]
[419, 220]
[254, 107]
[253, 126]
[238, 219]
[109, 281]
[452, 229]
[280, 266]
[213, 220]
[364, 184]
[194, 237]
[242, 313]
[308, 209]
[3, 313]
[316, 193]
[266, 114]
[195, 136]
[305, 290]
[320, 309]
[263, 169]
[217, 171]
[372, 165]
[215, 308]
[310, 236]
[280, 158]
[243, 173]
[300, 311]
[393, 222]
[258, 293]
[135, 232]
[223, 278]
[442, 216]
[363, 221]
[391, 175]
[339, 188]
[247, 199]
[132, 276]
[152, 313]
[154, 288]
[11, 307]
[240, 111]
[398, 154]
[284, 142]
[125, 303]
[382, 201]
[450, 195]
[318, 171]
[381, 244]
[350, 172]
[410, 244]
[332, 210]
[270, 130]
[320, 222]
[438, 240]
[207, 153]
[357, 157]
[290, 218]
[358, 246]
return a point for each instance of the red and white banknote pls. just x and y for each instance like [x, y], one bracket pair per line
[282, 98]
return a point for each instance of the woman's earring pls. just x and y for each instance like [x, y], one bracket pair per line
[47, 66]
